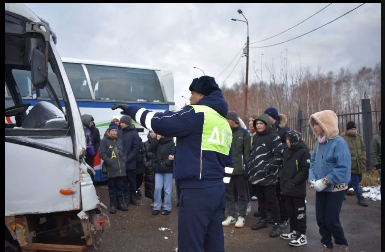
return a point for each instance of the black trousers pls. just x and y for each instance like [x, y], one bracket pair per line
[139, 181]
[267, 199]
[282, 204]
[296, 210]
[238, 183]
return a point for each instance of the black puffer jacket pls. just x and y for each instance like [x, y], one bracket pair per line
[140, 162]
[163, 147]
[149, 177]
[295, 168]
[266, 155]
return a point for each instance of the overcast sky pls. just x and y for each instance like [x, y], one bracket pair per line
[177, 37]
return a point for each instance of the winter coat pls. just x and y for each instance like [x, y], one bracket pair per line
[241, 149]
[281, 128]
[357, 152]
[331, 159]
[139, 162]
[96, 138]
[90, 152]
[112, 154]
[375, 149]
[295, 169]
[149, 178]
[132, 143]
[195, 167]
[266, 155]
[163, 148]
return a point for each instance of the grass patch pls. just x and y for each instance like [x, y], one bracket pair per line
[370, 178]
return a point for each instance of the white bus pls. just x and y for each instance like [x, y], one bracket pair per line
[98, 85]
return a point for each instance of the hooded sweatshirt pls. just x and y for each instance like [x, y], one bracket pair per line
[266, 155]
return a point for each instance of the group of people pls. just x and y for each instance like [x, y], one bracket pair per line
[217, 164]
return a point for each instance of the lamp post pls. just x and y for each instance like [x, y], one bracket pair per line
[185, 103]
[201, 70]
[247, 60]
[261, 67]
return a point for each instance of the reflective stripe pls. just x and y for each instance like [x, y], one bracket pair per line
[229, 170]
[226, 180]
[147, 122]
[138, 114]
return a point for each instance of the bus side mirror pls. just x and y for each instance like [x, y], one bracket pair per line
[38, 66]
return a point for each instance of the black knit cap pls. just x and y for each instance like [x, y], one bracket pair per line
[351, 125]
[204, 85]
[233, 116]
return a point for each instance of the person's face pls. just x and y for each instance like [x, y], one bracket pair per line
[231, 123]
[272, 120]
[152, 135]
[352, 131]
[116, 121]
[123, 125]
[288, 142]
[91, 123]
[251, 120]
[261, 126]
[113, 132]
[318, 129]
[195, 97]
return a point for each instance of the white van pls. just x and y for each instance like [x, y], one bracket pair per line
[48, 188]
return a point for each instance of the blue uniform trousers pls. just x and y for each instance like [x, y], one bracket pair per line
[200, 219]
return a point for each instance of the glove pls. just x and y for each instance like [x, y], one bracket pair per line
[312, 182]
[124, 107]
[320, 185]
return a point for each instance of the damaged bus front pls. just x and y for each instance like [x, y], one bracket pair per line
[48, 188]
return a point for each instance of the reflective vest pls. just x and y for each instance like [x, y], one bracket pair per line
[217, 135]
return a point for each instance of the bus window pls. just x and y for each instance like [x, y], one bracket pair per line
[127, 84]
[23, 80]
[77, 80]
[54, 82]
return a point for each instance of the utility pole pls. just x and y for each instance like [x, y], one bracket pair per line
[261, 67]
[286, 66]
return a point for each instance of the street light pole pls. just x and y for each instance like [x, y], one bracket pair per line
[201, 70]
[247, 61]
[185, 103]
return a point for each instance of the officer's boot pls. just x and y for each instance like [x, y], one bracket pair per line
[112, 206]
[121, 204]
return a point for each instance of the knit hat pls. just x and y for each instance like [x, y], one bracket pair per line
[116, 117]
[350, 125]
[204, 85]
[112, 126]
[273, 112]
[233, 116]
[126, 119]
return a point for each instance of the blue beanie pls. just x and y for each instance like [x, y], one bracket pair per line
[112, 126]
[273, 112]
[204, 85]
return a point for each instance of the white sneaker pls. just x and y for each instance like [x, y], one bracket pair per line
[240, 222]
[290, 236]
[299, 242]
[228, 221]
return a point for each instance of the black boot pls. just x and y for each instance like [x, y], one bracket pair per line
[134, 201]
[262, 223]
[121, 204]
[127, 200]
[276, 230]
[138, 194]
[362, 202]
[112, 206]
[257, 214]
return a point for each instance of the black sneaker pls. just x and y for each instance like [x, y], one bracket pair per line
[283, 224]
[156, 212]
[166, 212]
[259, 225]
[276, 230]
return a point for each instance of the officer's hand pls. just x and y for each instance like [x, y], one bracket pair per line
[124, 107]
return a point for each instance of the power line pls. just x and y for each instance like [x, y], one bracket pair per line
[294, 25]
[231, 62]
[307, 32]
[232, 70]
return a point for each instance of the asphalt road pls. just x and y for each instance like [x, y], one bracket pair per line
[138, 230]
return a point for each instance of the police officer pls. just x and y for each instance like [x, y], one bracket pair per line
[203, 161]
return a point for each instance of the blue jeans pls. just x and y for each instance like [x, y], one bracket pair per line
[327, 209]
[163, 180]
[355, 181]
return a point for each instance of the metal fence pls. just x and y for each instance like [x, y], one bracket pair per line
[366, 121]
